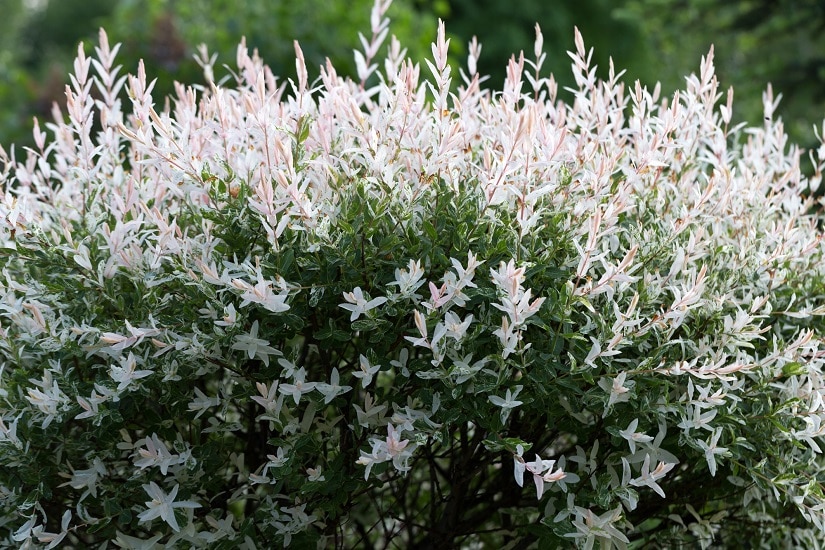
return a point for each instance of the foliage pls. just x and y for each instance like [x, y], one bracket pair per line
[759, 42]
[13, 91]
[505, 28]
[345, 314]
[173, 31]
[51, 30]
[166, 35]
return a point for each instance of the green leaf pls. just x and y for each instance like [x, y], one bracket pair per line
[794, 369]
[366, 325]
[125, 517]
[508, 444]
[316, 293]
[99, 525]
[331, 332]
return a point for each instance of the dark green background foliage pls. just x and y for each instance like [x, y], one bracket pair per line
[757, 41]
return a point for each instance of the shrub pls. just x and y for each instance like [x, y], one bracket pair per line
[367, 312]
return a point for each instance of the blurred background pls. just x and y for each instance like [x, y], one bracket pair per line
[756, 42]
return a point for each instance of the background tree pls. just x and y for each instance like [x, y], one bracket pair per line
[14, 79]
[39, 42]
[757, 42]
[507, 27]
[166, 34]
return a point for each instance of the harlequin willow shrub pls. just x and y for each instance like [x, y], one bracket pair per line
[355, 313]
